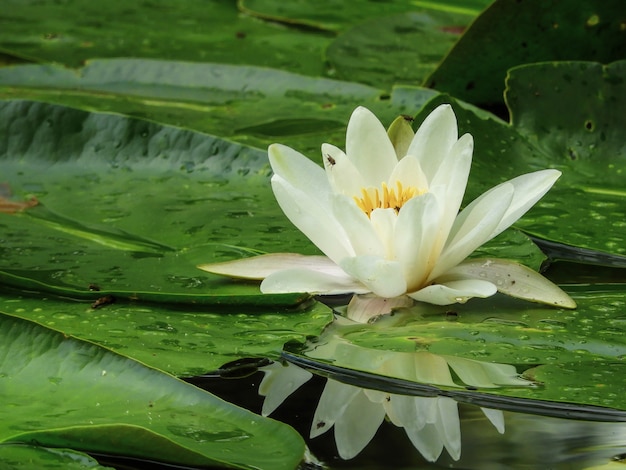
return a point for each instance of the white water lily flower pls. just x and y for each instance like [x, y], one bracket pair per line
[386, 216]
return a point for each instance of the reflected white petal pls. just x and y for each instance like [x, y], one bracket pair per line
[358, 425]
[279, 382]
[496, 417]
[449, 426]
[334, 400]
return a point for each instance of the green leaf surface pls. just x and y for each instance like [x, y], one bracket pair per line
[62, 392]
[182, 341]
[403, 48]
[565, 116]
[27, 457]
[337, 16]
[130, 208]
[255, 106]
[510, 33]
[576, 355]
[74, 31]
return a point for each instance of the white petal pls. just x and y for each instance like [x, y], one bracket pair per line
[452, 177]
[312, 282]
[434, 139]
[343, 176]
[259, 267]
[426, 440]
[383, 277]
[496, 417]
[358, 228]
[299, 171]
[416, 233]
[449, 426]
[515, 280]
[314, 218]
[384, 222]
[529, 188]
[454, 292]
[279, 382]
[362, 308]
[358, 425]
[408, 172]
[334, 400]
[369, 147]
[473, 227]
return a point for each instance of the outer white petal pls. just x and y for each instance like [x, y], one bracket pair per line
[299, 171]
[279, 382]
[358, 425]
[473, 227]
[416, 233]
[383, 277]
[496, 417]
[314, 218]
[450, 181]
[334, 400]
[529, 188]
[515, 280]
[434, 139]
[259, 267]
[343, 176]
[312, 282]
[369, 147]
[358, 228]
[454, 292]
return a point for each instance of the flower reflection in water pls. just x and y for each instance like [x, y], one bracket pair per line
[431, 423]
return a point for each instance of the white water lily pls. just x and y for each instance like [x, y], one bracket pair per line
[385, 213]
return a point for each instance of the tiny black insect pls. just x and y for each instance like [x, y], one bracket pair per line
[330, 159]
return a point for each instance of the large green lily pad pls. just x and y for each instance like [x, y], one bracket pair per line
[129, 209]
[74, 31]
[183, 340]
[565, 116]
[26, 457]
[253, 105]
[58, 391]
[510, 33]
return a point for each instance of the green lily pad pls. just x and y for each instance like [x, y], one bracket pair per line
[184, 341]
[74, 31]
[510, 33]
[403, 48]
[333, 16]
[252, 105]
[26, 457]
[575, 355]
[58, 391]
[565, 116]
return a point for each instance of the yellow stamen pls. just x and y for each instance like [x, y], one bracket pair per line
[392, 198]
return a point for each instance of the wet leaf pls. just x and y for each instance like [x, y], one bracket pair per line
[62, 392]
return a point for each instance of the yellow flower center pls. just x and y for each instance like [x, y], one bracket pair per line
[385, 197]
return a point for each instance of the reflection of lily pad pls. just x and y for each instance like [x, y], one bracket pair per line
[566, 116]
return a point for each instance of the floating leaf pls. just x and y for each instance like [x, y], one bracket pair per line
[58, 391]
[510, 33]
